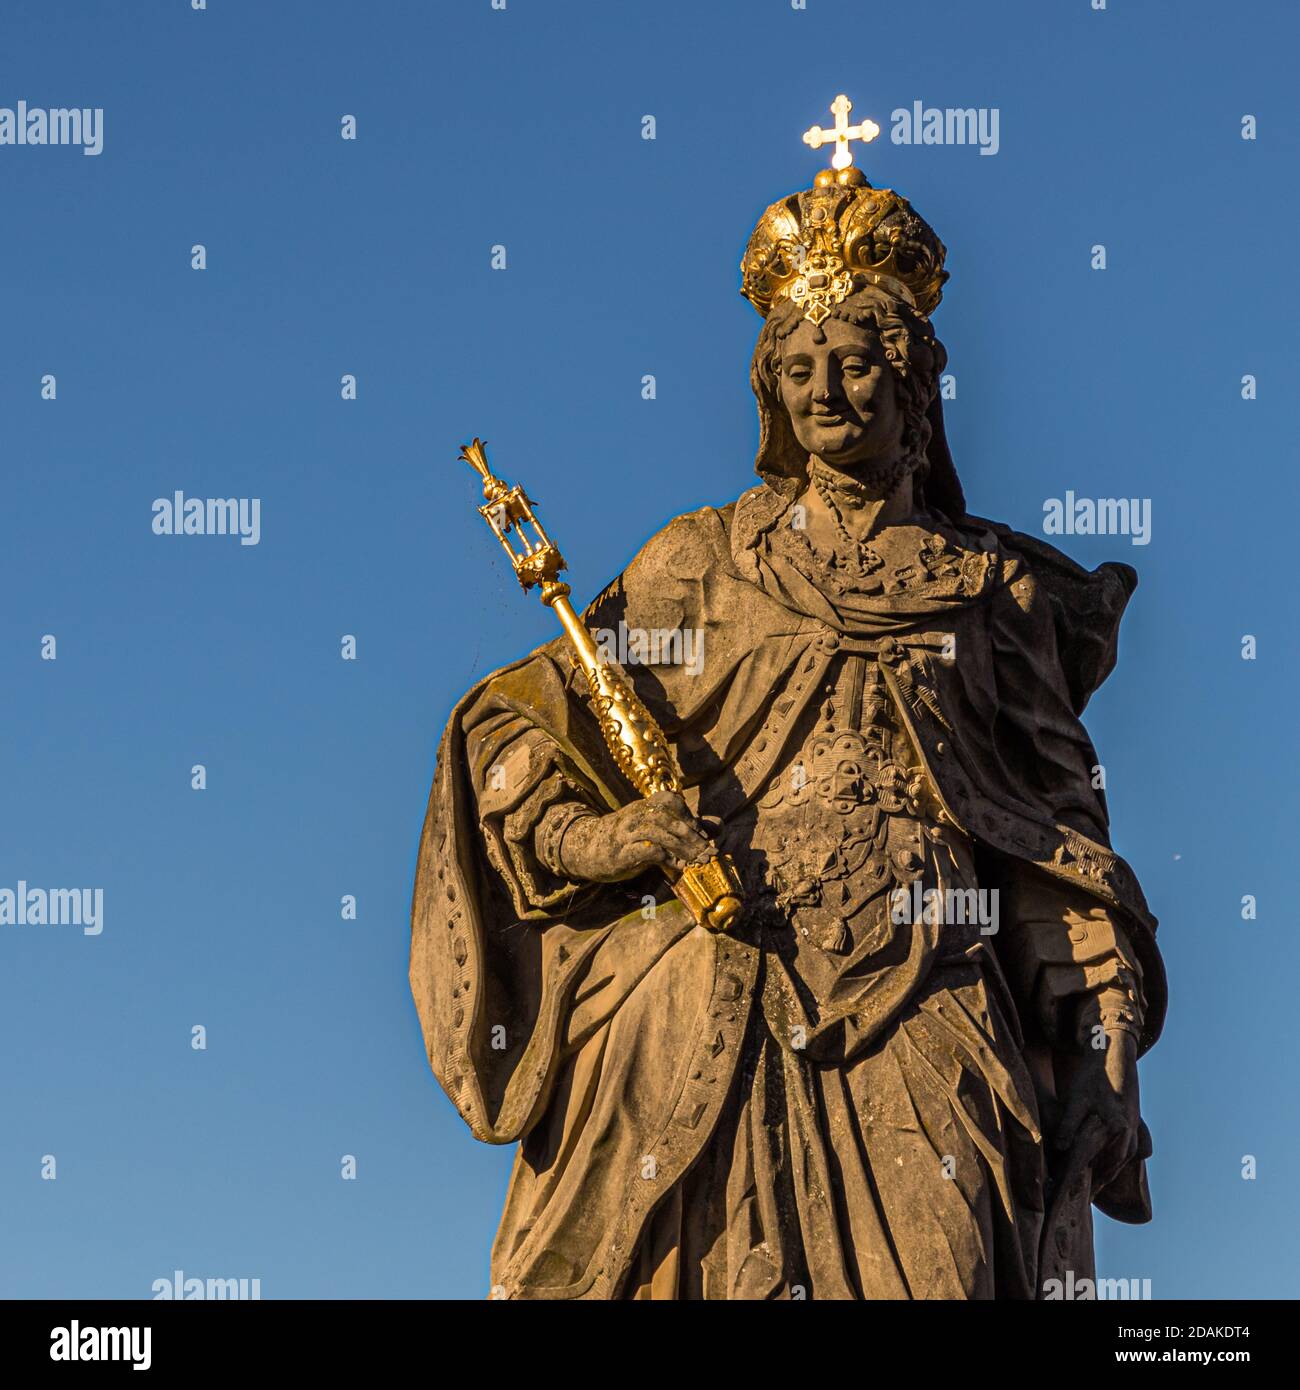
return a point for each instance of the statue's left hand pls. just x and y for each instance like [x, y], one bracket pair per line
[1101, 1112]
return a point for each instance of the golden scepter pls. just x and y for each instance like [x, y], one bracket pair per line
[710, 891]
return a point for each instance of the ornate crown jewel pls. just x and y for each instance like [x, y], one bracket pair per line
[817, 247]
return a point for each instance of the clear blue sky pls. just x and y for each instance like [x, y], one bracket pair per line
[523, 127]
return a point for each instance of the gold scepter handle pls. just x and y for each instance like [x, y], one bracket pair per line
[710, 891]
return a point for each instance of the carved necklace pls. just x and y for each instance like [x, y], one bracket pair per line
[838, 492]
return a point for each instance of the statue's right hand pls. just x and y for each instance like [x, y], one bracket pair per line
[657, 831]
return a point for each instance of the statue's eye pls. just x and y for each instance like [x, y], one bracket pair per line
[855, 366]
[798, 371]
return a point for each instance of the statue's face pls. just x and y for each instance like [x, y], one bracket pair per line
[841, 393]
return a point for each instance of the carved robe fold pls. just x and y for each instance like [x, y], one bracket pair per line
[847, 1096]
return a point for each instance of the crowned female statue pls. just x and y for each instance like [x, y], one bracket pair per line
[908, 1069]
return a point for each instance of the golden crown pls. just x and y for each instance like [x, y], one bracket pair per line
[817, 247]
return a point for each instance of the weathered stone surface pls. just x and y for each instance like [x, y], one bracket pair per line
[910, 1068]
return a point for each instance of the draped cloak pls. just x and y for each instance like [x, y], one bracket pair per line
[608, 1039]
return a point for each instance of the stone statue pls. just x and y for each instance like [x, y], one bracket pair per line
[908, 1068]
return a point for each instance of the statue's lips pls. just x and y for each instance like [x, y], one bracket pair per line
[827, 420]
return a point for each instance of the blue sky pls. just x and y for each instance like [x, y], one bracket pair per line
[523, 128]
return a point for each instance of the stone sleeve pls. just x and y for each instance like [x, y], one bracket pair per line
[1070, 964]
[528, 795]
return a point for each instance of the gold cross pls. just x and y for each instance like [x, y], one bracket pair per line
[842, 132]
